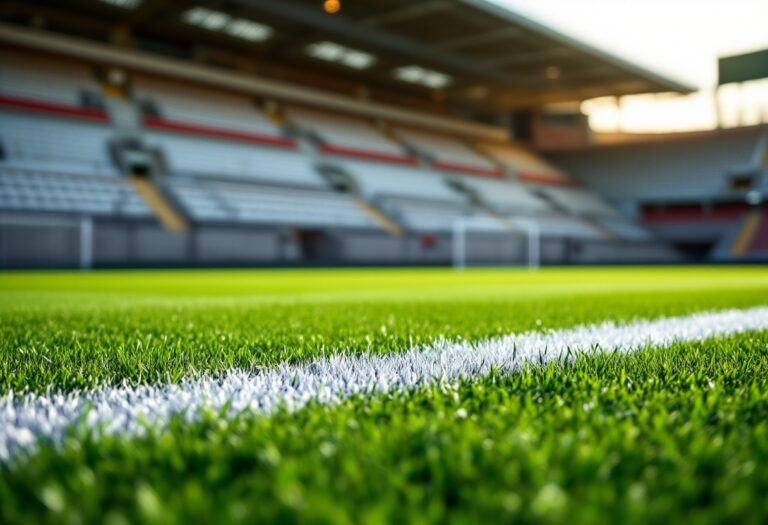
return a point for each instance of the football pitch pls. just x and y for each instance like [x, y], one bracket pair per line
[576, 395]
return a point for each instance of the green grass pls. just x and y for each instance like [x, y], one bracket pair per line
[78, 330]
[670, 435]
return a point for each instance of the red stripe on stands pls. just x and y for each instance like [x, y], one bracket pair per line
[216, 132]
[54, 108]
[722, 213]
[467, 168]
[344, 151]
[540, 178]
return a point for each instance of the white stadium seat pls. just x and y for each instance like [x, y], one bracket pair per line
[34, 190]
[344, 132]
[227, 159]
[44, 79]
[46, 142]
[448, 152]
[204, 106]
[578, 200]
[377, 179]
[208, 201]
[429, 216]
[506, 196]
[525, 164]
[561, 226]
[44, 124]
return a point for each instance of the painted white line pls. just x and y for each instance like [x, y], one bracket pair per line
[129, 409]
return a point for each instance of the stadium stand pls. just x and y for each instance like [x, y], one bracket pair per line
[576, 201]
[624, 228]
[505, 196]
[448, 153]
[26, 190]
[45, 79]
[205, 133]
[425, 215]
[375, 180]
[564, 227]
[420, 199]
[207, 201]
[652, 177]
[230, 159]
[661, 170]
[55, 142]
[46, 124]
[169, 149]
[209, 110]
[524, 164]
[348, 136]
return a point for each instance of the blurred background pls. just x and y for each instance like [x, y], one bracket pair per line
[382, 132]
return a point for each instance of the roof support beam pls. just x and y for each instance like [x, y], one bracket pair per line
[486, 37]
[402, 14]
[517, 58]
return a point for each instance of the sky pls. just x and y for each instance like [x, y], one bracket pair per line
[681, 39]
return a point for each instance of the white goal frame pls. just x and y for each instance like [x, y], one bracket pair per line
[83, 223]
[462, 226]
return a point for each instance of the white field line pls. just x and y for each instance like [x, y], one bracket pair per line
[127, 410]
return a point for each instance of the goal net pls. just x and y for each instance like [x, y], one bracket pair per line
[466, 226]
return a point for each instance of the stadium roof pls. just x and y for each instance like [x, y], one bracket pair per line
[460, 53]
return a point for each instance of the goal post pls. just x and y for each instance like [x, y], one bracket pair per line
[463, 226]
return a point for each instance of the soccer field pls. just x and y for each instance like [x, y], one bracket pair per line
[375, 396]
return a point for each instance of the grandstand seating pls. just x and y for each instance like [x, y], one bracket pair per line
[376, 179]
[577, 201]
[694, 213]
[449, 154]
[420, 199]
[526, 166]
[205, 133]
[37, 141]
[26, 190]
[562, 226]
[213, 201]
[661, 171]
[44, 79]
[347, 136]
[44, 122]
[506, 196]
[206, 111]
[228, 163]
[229, 159]
[425, 215]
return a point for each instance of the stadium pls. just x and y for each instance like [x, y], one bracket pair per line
[370, 262]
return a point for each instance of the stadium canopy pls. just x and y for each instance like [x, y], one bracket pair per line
[432, 54]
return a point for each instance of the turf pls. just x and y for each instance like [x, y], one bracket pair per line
[669, 435]
[76, 330]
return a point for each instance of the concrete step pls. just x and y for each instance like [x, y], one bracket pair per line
[164, 211]
[382, 219]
